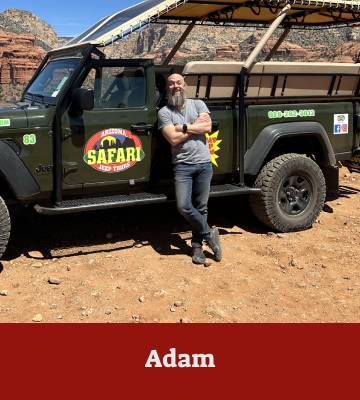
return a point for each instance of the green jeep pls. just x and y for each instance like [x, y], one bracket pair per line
[84, 136]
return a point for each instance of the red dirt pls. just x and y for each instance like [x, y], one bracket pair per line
[308, 276]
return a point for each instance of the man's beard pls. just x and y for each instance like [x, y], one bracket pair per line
[177, 100]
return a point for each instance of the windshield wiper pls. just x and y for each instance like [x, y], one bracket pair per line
[36, 99]
[23, 104]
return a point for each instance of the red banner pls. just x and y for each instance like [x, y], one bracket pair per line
[249, 360]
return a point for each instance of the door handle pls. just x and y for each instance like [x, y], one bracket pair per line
[67, 133]
[142, 128]
[70, 166]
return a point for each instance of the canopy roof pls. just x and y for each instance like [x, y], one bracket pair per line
[242, 12]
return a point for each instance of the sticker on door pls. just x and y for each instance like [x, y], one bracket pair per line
[341, 124]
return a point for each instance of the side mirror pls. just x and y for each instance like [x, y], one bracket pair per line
[82, 99]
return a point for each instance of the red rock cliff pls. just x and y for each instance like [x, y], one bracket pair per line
[19, 58]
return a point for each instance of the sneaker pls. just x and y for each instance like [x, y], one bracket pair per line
[198, 256]
[213, 241]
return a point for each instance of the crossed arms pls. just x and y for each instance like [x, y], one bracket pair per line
[174, 134]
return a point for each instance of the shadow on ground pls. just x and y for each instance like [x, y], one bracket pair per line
[159, 226]
[347, 191]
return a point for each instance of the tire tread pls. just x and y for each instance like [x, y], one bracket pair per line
[5, 226]
[262, 205]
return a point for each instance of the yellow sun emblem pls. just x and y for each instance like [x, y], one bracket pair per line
[213, 143]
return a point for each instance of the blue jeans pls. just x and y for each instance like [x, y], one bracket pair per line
[192, 187]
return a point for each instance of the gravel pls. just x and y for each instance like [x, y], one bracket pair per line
[36, 265]
[301, 285]
[54, 281]
[35, 254]
[293, 262]
[37, 318]
[185, 320]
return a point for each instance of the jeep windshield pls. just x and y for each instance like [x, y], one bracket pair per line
[50, 81]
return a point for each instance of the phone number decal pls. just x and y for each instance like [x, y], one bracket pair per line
[291, 113]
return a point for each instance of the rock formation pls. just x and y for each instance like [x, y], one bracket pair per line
[19, 58]
[228, 51]
[24, 40]
[27, 36]
[232, 43]
[19, 21]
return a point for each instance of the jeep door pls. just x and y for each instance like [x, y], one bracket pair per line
[111, 144]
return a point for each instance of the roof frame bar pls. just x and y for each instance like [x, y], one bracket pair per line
[278, 43]
[215, 15]
[215, 3]
[178, 44]
[274, 25]
[241, 123]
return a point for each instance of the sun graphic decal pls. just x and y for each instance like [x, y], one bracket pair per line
[213, 146]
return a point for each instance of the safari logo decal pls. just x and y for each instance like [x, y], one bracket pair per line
[113, 150]
[213, 143]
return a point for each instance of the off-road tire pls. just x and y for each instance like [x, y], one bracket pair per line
[292, 195]
[5, 226]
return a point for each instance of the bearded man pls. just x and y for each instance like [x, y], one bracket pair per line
[184, 123]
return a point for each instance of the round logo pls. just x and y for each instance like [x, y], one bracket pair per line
[113, 150]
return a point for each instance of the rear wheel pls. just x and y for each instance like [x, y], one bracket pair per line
[292, 195]
[5, 226]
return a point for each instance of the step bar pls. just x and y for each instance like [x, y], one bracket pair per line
[138, 199]
[231, 190]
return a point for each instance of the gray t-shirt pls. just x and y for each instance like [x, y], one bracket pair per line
[195, 149]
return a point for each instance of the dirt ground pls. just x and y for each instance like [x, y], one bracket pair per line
[133, 265]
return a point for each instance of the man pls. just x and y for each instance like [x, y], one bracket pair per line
[184, 123]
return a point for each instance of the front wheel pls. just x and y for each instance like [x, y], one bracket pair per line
[5, 226]
[292, 195]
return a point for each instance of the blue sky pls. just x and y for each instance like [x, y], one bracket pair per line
[69, 17]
